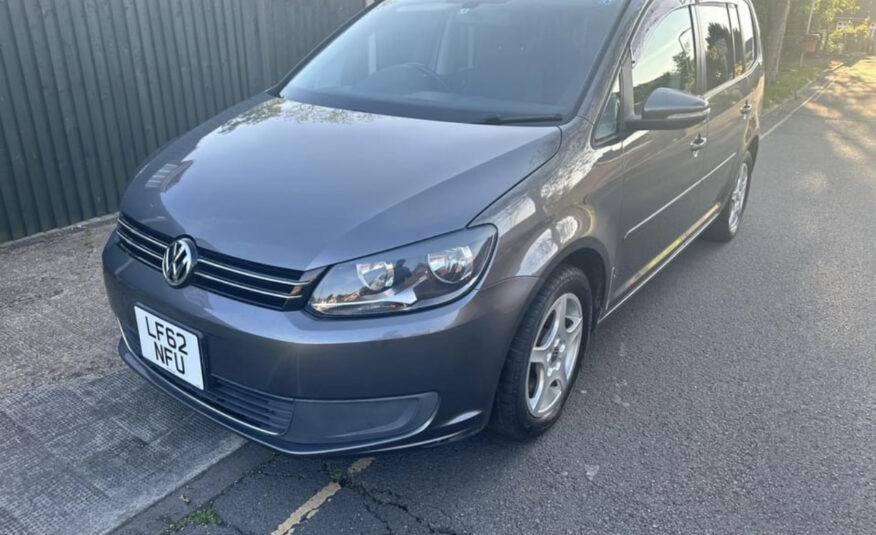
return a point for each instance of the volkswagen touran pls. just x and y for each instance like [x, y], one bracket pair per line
[415, 233]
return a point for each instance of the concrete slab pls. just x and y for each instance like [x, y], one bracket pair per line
[85, 443]
[71, 463]
[55, 323]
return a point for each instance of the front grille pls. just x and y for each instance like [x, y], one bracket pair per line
[268, 413]
[258, 284]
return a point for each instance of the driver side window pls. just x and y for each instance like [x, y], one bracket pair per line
[667, 58]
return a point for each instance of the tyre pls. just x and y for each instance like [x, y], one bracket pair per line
[544, 358]
[726, 225]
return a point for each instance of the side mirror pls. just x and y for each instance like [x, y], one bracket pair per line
[670, 109]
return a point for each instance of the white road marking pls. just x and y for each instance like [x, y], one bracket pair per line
[309, 508]
[795, 110]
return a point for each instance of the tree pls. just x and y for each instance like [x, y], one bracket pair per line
[775, 37]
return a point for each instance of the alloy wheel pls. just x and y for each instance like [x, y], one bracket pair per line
[737, 198]
[554, 355]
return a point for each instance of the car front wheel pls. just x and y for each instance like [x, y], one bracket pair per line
[544, 358]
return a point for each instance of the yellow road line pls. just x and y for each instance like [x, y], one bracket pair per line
[309, 508]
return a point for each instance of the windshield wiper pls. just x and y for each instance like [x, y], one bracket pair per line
[516, 119]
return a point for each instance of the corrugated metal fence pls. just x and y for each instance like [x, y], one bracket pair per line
[89, 88]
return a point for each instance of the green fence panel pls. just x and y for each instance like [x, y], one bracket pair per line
[89, 88]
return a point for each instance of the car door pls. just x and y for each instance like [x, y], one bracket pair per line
[729, 97]
[753, 75]
[662, 167]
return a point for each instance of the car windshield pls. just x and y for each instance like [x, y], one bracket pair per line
[489, 61]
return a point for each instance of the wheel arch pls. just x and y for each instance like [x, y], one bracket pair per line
[753, 147]
[590, 256]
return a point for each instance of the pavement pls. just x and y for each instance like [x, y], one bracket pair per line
[56, 324]
[84, 443]
[734, 393]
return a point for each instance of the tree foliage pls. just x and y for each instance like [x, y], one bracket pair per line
[826, 11]
[783, 25]
[851, 39]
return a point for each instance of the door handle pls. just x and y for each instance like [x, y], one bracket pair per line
[746, 109]
[697, 144]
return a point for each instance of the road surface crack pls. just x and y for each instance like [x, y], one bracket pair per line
[388, 498]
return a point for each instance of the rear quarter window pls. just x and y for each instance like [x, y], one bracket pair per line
[746, 24]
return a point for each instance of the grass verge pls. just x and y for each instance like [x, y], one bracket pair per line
[792, 78]
[790, 81]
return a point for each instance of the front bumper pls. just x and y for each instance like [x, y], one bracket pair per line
[305, 385]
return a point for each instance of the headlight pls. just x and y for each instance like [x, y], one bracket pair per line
[425, 274]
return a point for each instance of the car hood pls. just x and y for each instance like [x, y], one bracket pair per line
[300, 186]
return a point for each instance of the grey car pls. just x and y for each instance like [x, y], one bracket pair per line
[415, 234]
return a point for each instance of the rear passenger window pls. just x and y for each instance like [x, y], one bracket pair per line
[666, 58]
[748, 42]
[719, 45]
[740, 65]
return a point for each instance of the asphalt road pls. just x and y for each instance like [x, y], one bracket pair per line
[736, 393]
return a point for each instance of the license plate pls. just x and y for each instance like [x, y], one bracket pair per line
[170, 347]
